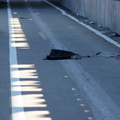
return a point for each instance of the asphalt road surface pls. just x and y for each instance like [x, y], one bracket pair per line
[35, 89]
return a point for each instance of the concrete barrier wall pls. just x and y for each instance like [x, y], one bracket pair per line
[104, 12]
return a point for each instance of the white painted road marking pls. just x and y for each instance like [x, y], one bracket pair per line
[16, 96]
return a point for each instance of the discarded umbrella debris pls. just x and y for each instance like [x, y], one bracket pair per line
[23, 18]
[57, 54]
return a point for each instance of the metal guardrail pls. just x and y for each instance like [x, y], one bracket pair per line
[104, 12]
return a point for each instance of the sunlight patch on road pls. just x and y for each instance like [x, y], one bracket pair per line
[34, 100]
[23, 66]
[32, 92]
[24, 74]
[20, 45]
[38, 115]
[19, 39]
[18, 35]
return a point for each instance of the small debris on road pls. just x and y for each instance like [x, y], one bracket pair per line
[110, 55]
[91, 22]
[114, 35]
[100, 25]
[23, 18]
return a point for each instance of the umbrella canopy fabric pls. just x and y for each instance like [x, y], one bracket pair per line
[57, 54]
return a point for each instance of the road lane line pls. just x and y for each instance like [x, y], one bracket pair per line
[16, 96]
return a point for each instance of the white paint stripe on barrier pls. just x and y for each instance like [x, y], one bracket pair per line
[87, 26]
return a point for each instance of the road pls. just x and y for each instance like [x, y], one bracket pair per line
[35, 89]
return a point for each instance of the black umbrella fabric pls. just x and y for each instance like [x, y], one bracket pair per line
[57, 54]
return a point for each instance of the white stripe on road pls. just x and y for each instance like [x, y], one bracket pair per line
[16, 97]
